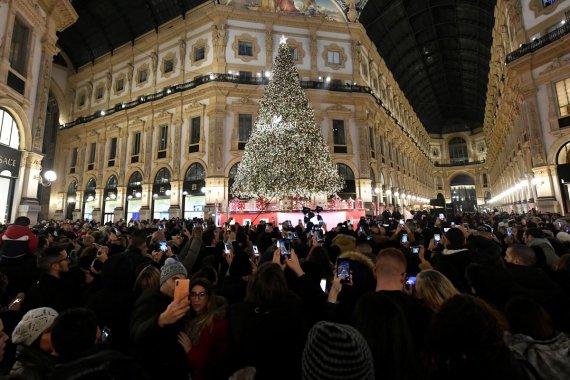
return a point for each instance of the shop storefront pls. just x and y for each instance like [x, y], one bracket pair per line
[194, 199]
[71, 199]
[134, 196]
[161, 195]
[89, 202]
[110, 201]
[10, 158]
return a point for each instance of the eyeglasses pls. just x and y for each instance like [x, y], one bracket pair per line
[198, 295]
[66, 258]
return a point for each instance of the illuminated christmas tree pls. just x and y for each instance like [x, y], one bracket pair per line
[286, 154]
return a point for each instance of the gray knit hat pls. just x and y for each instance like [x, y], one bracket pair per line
[335, 351]
[33, 324]
[171, 268]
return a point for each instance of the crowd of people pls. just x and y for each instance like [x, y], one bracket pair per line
[397, 296]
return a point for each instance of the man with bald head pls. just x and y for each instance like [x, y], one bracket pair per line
[378, 307]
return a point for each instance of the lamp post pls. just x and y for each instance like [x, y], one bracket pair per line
[377, 191]
[47, 179]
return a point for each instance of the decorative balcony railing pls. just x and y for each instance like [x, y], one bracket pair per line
[458, 163]
[540, 42]
[241, 79]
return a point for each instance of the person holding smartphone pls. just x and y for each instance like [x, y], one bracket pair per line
[157, 319]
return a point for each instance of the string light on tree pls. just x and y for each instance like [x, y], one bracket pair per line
[286, 154]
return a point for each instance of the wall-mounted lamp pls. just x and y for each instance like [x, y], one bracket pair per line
[47, 179]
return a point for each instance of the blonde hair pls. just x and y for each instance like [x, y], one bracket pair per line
[434, 288]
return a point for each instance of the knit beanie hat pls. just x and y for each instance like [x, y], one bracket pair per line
[33, 324]
[171, 268]
[335, 351]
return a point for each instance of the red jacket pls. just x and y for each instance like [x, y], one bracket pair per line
[208, 356]
[18, 241]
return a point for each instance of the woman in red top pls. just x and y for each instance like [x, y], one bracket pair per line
[206, 339]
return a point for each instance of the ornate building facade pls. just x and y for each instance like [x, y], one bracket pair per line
[27, 49]
[156, 129]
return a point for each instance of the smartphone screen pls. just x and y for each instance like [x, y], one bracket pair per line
[289, 235]
[320, 235]
[181, 288]
[360, 229]
[295, 235]
[404, 238]
[445, 229]
[105, 334]
[284, 246]
[163, 246]
[343, 270]
[401, 222]
[452, 224]
[441, 217]
[510, 231]
[227, 248]
[416, 250]
[437, 238]
[255, 250]
[411, 281]
[324, 284]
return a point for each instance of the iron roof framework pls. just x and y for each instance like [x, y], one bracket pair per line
[438, 52]
[104, 25]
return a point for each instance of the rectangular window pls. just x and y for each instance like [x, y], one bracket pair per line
[245, 48]
[92, 152]
[136, 147]
[163, 141]
[245, 124]
[339, 137]
[294, 53]
[168, 66]
[112, 152]
[73, 160]
[563, 95]
[99, 94]
[142, 76]
[19, 47]
[333, 57]
[194, 135]
[245, 76]
[372, 147]
[199, 53]
[120, 85]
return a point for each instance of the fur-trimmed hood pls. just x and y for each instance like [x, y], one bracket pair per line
[345, 242]
[360, 257]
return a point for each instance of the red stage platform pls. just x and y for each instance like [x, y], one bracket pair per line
[331, 218]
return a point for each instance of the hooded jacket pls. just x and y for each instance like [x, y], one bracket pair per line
[547, 248]
[18, 241]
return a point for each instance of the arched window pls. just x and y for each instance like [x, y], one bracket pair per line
[91, 185]
[135, 180]
[349, 189]
[111, 183]
[194, 179]
[195, 173]
[9, 134]
[458, 150]
[162, 177]
[485, 180]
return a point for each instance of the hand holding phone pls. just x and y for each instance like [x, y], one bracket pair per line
[343, 271]
[255, 250]
[181, 288]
